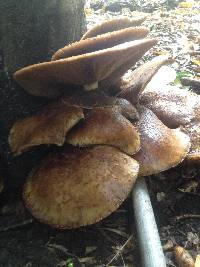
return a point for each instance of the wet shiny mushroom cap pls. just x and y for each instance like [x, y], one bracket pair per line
[161, 147]
[79, 187]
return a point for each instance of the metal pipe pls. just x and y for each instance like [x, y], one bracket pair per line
[149, 240]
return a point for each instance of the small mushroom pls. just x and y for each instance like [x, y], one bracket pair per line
[79, 187]
[106, 126]
[161, 147]
[113, 25]
[48, 126]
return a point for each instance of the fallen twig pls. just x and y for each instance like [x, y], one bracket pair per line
[120, 250]
[16, 225]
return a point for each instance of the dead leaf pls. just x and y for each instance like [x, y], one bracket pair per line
[183, 257]
[197, 261]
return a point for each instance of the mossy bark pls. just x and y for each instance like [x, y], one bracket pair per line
[31, 31]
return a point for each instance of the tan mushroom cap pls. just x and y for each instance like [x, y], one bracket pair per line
[80, 187]
[113, 25]
[115, 77]
[172, 105]
[48, 126]
[161, 147]
[101, 42]
[40, 79]
[130, 89]
[106, 126]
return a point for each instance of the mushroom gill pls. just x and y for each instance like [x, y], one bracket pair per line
[66, 195]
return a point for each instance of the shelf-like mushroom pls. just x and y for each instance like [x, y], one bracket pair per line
[79, 187]
[44, 79]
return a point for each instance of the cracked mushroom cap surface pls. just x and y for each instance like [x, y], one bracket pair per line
[113, 25]
[48, 126]
[45, 79]
[161, 147]
[106, 126]
[80, 187]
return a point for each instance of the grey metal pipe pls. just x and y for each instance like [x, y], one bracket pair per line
[149, 240]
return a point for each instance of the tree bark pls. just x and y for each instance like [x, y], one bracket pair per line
[32, 30]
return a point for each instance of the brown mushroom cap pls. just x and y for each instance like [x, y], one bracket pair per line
[88, 99]
[80, 187]
[131, 88]
[113, 25]
[173, 106]
[106, 126]
[48, 126]
[40, 79]
[101, 42]
[161, 147]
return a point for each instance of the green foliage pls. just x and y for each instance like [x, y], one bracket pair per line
[180, 75]
[69, 262]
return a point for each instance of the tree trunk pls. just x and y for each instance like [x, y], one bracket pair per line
[31, 31]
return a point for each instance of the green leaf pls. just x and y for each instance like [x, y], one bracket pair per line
[69, 262]
[180, 75]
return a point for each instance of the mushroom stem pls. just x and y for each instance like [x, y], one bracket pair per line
[91, 86]
[149, 240]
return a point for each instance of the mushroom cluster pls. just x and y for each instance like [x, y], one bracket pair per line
[111, 130]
